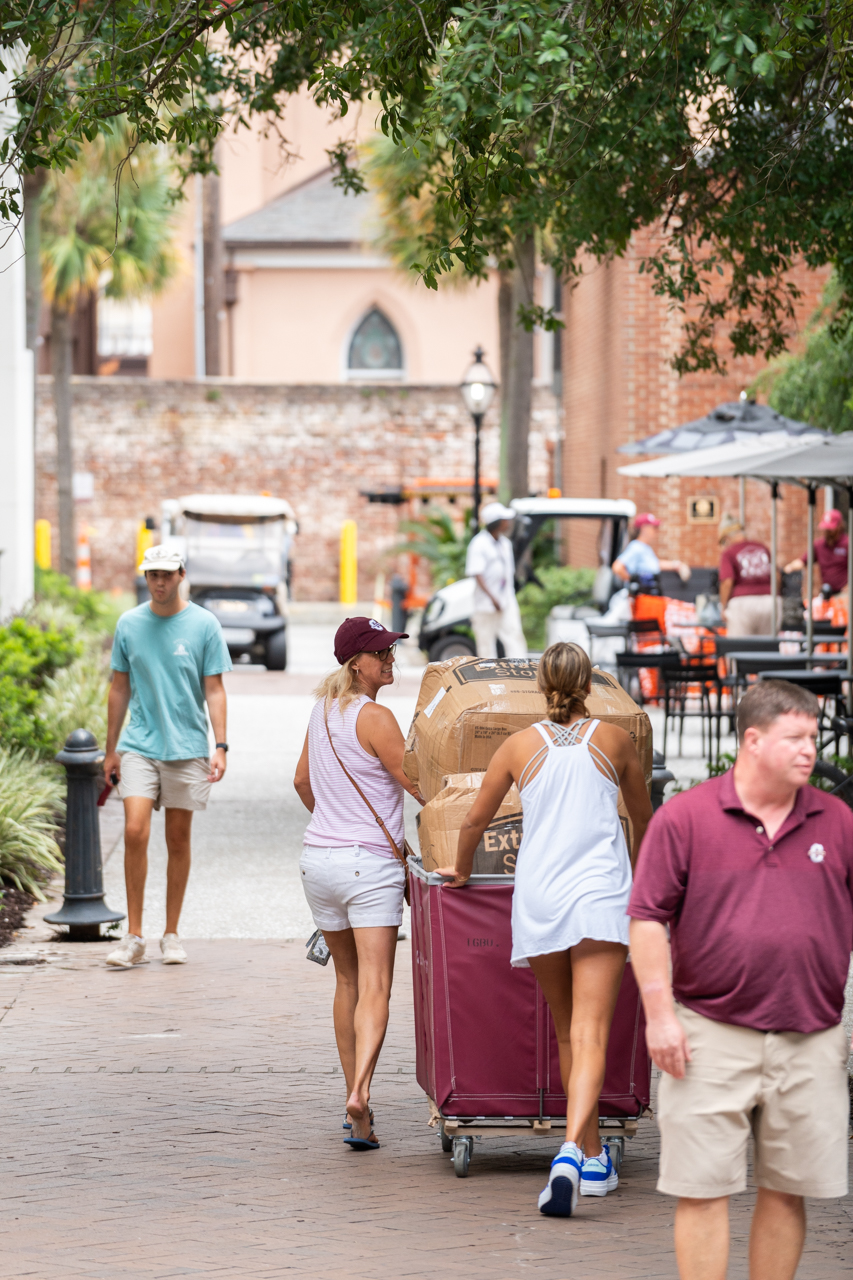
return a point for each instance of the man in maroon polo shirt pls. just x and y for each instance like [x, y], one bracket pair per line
[753, 874]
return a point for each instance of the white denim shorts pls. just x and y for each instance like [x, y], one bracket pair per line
[352, 888]
[176, 784]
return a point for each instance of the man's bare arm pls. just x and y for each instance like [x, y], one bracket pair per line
[117, 703]
[481, 583]
[665, 1037]
[217, 703]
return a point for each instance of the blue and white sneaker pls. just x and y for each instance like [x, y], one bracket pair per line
[560, 1197]
[598, 1175]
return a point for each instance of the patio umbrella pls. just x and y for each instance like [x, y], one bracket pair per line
[738, 420]
[806, 462]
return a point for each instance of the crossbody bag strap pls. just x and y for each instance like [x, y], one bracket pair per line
[391, 841]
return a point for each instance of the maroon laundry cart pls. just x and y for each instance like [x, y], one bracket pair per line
[486, 1048]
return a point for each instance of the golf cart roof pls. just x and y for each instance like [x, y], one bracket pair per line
[235, 506]
[590, 508]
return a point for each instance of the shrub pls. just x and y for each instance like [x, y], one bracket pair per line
[31, 799]
[95, 610]
[29, 655]
[434, 537]
[557, 585]
[76, 698]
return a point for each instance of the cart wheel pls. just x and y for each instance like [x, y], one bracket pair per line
[617, 1152]
[461, 1156]
[446, 1143]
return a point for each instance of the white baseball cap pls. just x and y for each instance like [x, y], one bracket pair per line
[160, 557]
[493, 511]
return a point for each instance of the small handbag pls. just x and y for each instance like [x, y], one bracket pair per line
[398, 854]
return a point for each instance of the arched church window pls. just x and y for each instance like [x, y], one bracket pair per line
[375, 346]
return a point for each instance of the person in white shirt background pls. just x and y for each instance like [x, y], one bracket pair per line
[639, 559]
[490, 561]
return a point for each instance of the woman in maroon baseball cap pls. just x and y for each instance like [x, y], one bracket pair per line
[350, 777]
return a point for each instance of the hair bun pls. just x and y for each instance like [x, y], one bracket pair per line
[564, 677]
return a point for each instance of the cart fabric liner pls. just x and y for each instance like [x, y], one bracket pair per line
[486, 1045]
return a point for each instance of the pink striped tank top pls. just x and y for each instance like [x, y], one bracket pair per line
[340, 815]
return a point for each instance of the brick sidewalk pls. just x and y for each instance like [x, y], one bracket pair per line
[172, 1122]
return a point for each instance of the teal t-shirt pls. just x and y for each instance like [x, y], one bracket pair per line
[168, 659]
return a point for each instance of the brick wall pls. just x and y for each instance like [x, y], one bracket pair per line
[619, 386]
[145, 440]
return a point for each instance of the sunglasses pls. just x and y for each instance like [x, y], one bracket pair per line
[384, 654]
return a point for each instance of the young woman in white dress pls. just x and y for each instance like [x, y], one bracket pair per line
[572, 884]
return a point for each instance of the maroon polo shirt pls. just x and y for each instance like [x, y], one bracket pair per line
[761, 930]
[832, 562]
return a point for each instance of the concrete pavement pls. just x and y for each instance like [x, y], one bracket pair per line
[175, 1121]
[183, 1121]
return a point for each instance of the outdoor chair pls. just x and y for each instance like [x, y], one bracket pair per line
[678, 682]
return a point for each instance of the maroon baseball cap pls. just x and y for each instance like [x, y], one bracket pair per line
[363, 635]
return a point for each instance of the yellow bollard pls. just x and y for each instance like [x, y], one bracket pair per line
[349, 562]
[144, 540]
[43, 547]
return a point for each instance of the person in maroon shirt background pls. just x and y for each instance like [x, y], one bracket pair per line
[745, 597]
[830, 554]
[753, 874]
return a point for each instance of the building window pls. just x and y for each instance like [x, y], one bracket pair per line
[375, 347]
[125, 336]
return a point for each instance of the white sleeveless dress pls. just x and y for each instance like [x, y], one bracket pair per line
[573, 873]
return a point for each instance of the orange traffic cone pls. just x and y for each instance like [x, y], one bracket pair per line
[84, 561]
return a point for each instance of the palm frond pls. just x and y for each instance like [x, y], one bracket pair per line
[108, 215]
[76, 698]
[435, 538]
[32, 796]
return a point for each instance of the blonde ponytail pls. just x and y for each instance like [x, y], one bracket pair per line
[564, 676]
[341, 684]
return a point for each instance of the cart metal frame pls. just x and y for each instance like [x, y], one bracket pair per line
[459, 1133]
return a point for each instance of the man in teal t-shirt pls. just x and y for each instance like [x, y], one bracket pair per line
[168, 659]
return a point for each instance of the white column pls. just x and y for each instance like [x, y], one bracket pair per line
[17, 480]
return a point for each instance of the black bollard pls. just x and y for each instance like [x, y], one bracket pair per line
[84, 909]
[399, 614]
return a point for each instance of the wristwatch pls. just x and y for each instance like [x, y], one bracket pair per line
[222, 746]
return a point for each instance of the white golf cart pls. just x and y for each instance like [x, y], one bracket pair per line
[446, 625]
[237, 552]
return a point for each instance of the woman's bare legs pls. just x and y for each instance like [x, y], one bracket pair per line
[581, 987]
[364, 969]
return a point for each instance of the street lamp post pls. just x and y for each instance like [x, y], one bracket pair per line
[478, 389]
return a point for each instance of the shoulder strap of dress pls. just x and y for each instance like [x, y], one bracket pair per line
[593, 725]
[540, 725]
[599, 756]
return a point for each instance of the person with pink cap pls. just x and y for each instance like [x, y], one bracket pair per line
[640, 560]
[350, 778]
[830, 555]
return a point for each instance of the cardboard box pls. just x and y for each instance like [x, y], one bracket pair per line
[467, 706]
[440, 821]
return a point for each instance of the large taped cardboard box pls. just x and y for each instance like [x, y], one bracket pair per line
[440, 821]
[467, 706]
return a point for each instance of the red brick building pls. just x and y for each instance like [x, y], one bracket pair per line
[619, 386]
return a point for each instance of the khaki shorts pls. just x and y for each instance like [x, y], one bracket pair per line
[788, 1089]
[749, 616]
[176, 784]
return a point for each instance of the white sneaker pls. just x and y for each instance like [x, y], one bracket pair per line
[598, 1175]
[173, 952]
[131, 951]
[560, 1197]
